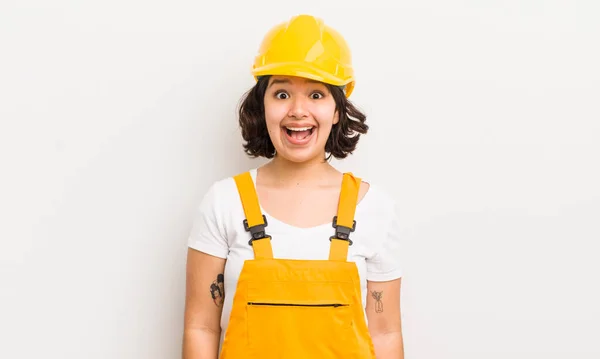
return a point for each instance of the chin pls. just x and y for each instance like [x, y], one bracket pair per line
[299, 158]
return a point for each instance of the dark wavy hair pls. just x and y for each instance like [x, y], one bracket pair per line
[342, 140]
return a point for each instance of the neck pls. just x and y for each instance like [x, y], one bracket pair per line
[285, 172]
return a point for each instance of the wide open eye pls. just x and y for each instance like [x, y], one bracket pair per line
[317, 95]
[282, 95]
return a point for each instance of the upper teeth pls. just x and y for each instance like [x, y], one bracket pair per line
[298, 128]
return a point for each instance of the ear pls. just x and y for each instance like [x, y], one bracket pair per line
[336, 117]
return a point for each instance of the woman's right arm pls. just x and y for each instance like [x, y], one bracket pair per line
[203, 305]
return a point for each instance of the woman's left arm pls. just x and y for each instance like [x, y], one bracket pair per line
[383, 313]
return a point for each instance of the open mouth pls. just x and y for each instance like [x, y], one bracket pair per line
[299, 134]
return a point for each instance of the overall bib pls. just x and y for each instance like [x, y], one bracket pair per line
[298, 309]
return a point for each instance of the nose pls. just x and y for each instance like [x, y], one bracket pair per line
[298, 107]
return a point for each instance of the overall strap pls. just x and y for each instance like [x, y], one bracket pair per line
[344, 222]
[255, 221]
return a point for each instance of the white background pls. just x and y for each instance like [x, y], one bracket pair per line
[485, 125]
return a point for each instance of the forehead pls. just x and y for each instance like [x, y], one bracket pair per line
[292, 80]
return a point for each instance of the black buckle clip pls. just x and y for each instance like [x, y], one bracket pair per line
[257, 232]
[342, 232]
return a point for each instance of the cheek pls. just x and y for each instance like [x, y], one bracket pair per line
[273, 117]
[272, 125]
[327, 118]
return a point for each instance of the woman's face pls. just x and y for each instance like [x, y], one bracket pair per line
[299, 115]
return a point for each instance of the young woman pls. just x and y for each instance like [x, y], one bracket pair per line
[295, 259]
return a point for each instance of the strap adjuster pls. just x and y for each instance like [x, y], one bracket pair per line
[343, 232]
[258, 231]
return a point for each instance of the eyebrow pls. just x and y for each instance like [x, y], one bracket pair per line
[287, 81]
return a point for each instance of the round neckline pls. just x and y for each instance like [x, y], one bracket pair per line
[253, 175]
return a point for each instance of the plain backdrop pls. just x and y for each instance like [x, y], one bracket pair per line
[116, 116]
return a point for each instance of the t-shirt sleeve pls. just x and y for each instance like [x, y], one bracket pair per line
[386, 263]
[208, 233]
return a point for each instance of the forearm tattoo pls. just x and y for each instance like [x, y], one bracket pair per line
[217, 290]
[378, 303]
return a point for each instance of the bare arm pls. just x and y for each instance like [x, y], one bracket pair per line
[383, 313]
[203, 305]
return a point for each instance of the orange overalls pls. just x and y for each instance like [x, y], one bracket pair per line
[298, 309]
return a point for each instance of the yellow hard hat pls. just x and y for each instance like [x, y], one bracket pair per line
[304, 46]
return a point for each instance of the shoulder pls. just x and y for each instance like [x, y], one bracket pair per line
[378, 214]
[221, 205]
[379, 207]
[223, 192]
[376, 204]
[381, 233]
[222, 186]
[371, 192]
[377, 200]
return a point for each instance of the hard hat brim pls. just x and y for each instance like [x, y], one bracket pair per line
[305, 71]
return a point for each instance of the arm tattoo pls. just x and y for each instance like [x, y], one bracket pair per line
[378, 303]
[217, 290]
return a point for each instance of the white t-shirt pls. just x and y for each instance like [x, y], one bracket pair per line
[218, 230]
